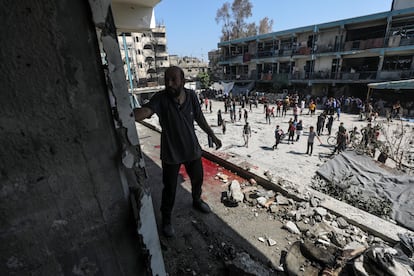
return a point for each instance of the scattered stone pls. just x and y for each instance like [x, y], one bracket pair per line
[235, 191]
[318, 218]
[334, 224]
[329, 217]
[353, 245]
[268, 175]
[324, 242]
[273, 208]
[314, 202]
[261, 200]
[338, 240]
[303, 227]
[342, 223]
[261, 239]
[252, 181]
[320, 229]
[291, 227]
[291, 213]
[321, 211]
[271, 242]
[281, 200]
[298, 216]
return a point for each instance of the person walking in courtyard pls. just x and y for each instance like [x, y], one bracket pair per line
[285, 106]
[219, 118]
[278, 108]
[177, 109]
[268, 115]
[312, 108]
[320, 123]
[291, 131]
[299, 129]
[311, 138]
[247, 133]
[246, 115]
[295, 113]
[329, 124]
[278, 136]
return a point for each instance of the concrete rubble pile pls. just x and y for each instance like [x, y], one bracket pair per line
[326, 243]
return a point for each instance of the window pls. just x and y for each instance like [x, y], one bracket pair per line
[395, 63]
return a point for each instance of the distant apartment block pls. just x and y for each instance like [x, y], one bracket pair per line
[213, 65]
[191, 66]
[147, 56]
[341, 56]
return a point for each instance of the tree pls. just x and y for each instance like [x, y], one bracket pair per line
[265, 25]
[242, 9]
[223, 14]
[234, 22]
[204, 78]
[251, 29]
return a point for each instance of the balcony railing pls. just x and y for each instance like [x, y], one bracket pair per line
[358, 76]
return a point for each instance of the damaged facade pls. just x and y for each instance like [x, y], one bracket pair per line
[329, 59]
[147, 56]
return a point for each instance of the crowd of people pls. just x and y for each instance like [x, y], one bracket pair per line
[325, 110]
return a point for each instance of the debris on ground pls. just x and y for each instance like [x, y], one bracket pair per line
[326, 244]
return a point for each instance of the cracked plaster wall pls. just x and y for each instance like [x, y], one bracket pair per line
[64, 193]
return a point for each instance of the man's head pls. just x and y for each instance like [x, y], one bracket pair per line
[174, 81]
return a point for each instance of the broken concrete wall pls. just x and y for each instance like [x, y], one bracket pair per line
[64, 208]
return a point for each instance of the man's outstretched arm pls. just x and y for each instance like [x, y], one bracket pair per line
[202, 123]
[142, 113]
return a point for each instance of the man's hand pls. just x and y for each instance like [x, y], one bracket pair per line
[217, 142]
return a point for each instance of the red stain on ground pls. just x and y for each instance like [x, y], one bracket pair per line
[210, 171]
[157, 146]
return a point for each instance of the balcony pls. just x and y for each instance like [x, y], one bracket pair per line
[364, 44]
[134, 15]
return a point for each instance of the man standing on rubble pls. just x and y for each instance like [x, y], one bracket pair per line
[177, 109]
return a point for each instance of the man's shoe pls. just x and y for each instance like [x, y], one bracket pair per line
[201, 206]
[168, 230]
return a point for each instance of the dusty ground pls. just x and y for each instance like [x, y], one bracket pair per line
[204, 243]
[210, 244]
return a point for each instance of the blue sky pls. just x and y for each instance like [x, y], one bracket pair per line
[192, 29]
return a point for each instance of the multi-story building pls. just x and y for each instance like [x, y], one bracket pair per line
[191, 66]
[339, 57]
[213, 64]
[147, 55]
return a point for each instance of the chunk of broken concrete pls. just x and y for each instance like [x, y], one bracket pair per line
[281, 200]
[291, 227]
[321, 211]
[261, 200]
[235, 191]
[271, 242]
[342, 223]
